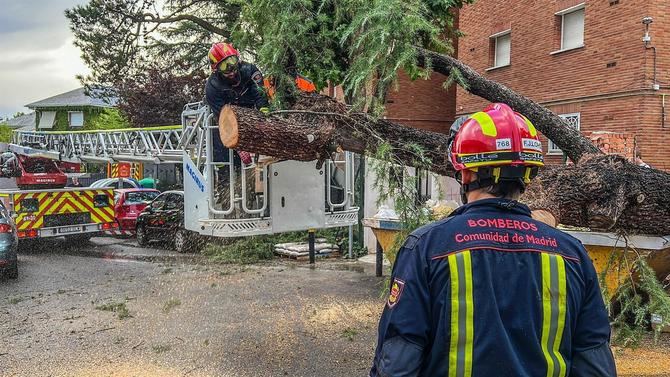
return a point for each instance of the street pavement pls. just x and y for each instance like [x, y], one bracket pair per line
[183, 319]
[112, 308]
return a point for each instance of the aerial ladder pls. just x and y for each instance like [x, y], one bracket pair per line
[288, 195]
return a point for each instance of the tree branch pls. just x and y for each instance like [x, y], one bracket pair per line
[551, 125]
[151, 18]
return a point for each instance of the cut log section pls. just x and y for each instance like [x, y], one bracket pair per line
[249, 130]
[318, 126]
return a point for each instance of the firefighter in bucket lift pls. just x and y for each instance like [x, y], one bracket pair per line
[490, 291]
[238, 83]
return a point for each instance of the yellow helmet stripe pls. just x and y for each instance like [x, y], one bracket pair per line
[486, 123]
[531, 128]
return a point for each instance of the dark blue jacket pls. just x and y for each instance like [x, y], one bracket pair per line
[248, 92]
[491, 292]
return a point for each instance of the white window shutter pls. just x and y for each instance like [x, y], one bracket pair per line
[503, 47]
[47, 119]
[573, 29]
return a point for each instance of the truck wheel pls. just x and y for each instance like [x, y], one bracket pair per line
[183, 241]
[141, 234]
[13, 272]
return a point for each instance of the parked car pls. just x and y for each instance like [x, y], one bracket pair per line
[114, 183]
[8, 245]
[129, 203]
[163, 220]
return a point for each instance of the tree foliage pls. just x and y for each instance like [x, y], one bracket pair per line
[5, 133]
[121, 38]
[351, 42]
[638, 301]
[109, 119]
[157, 96]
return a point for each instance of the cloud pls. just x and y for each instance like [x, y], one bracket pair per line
[31, 77]
[37, 58]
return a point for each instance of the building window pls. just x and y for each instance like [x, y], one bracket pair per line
[500, 47]
[572, 27]
[573, 121]
[75, 118]
[46, 119]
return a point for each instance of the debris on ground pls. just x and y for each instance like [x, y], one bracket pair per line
[301, 249]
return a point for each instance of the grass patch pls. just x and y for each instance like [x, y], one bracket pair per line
[119, 308]
[15, 300]
[249, 250]
[160, 348]
[170, 304]
[349, 333]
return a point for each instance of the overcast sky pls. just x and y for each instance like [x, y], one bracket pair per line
[37, 57]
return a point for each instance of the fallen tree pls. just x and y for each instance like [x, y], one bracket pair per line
[598, 191]
[601, 192]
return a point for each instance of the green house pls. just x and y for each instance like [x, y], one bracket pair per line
[70, 111]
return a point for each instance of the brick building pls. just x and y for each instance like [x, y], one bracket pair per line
[584, 60]
[422, 103]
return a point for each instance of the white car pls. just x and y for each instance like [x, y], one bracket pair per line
[114, 183]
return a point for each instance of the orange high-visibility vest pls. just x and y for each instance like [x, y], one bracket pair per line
[303, 83]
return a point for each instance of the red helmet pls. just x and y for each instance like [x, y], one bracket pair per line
[220, 52]
[498, 137]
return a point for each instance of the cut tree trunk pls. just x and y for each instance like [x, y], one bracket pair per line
[601, 192]
[318, 126]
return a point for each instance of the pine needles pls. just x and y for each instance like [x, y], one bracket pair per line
[639, 297]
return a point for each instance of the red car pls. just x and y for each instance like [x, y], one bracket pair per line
[128, 203]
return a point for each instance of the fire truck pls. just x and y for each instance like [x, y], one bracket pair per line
[284, 196]
[43, 207]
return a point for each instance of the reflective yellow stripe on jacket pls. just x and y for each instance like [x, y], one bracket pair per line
[462, 308]
[553, 313]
